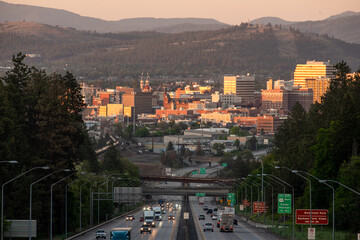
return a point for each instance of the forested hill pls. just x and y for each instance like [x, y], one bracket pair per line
[268, 51]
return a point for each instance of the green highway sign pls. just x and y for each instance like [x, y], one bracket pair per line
[231, 198]
[194, 172]
[202, 170]
[200, 194]
[224, 165]
[284, 203]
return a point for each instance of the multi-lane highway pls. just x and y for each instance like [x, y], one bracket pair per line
[242, 231]
[165, 229]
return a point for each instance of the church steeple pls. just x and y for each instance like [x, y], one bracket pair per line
[142, 81]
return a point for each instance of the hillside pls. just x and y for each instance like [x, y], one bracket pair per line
[265, 51]
[271, 20]
[17, 12]
[345, 27]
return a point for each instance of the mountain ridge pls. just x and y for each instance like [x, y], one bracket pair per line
[270, 51]
[19, 12]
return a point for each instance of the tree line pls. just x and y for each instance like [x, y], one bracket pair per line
[41, 125]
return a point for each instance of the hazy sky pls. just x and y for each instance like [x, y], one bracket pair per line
[228, 11]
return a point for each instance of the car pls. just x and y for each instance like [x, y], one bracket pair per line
[235, 221]
[214, 217]
[215, 209]
[201, 217]
[208, 227]
[141, 219]
[205, 208]
[130, 218]
[145, 228]
[171, 217]
[101, 233]
[209, 211]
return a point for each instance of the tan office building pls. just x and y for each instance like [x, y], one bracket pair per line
[243, 86]
[311, 70]
[319, 86]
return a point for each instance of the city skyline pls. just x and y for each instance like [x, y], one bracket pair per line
[228, 11]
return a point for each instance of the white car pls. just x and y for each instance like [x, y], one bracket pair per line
[214, 217]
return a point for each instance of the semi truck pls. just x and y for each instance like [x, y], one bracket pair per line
[157, 212]
[149, 218]
[120, 234]
[226, 219]
[201, 200]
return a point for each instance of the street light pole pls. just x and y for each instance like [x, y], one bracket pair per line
[293, 201]
[12, 161]
[2, 196]
[51, 201]
[342, 185]
[31, 186]
[251, 207]
[272, 199]
[296, 172]
[66, 206]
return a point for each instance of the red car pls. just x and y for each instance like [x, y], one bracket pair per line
[141, 219]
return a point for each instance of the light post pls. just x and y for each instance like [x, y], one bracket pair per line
[92, 199]
[293, 201]
[107, 179]
[51, 201]
[257, 185]
[80, 199]
[31, 186]
[272, 199]
[112, 187]
[2, 196]
[258, 195]
[324, 182]
[251, 207]
[11, 161]
[296, 172]
[66, 205]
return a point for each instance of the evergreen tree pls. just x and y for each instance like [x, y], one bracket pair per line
[198, 150]
[112, 160]
[170, 146]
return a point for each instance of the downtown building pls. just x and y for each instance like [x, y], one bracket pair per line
[242, 86]
[313, 70]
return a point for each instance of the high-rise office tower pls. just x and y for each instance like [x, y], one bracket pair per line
[311, 70]
[243, 86]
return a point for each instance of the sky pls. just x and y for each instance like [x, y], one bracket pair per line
[227, 11]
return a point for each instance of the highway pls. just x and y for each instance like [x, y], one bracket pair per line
[164, 229]
[242, 231]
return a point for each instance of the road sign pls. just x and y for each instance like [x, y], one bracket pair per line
[202, 170]
[241, 207]
[194, 172]
[246, 203]
[318, 216]
[231, 198]
[186, 215]
[311, 233]
[259, 207]
[224, 165]
[200, 194]
[358, 236]
[284, 204]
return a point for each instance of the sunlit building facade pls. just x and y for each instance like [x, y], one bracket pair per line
[311, 70]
